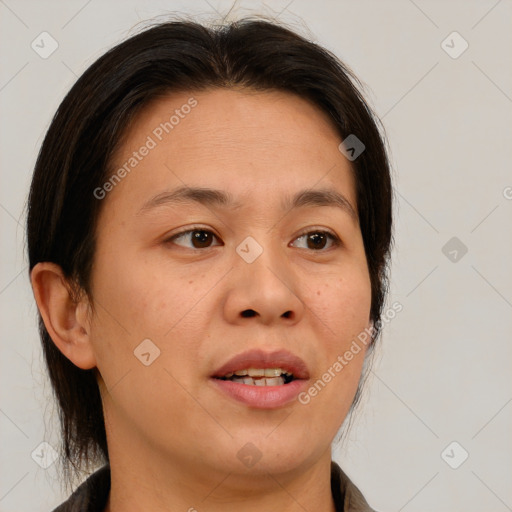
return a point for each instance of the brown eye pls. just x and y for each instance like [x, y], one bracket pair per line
[316, 240]
[201, 239]
[195, 239]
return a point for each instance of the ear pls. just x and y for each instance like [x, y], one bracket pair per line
[67, 321]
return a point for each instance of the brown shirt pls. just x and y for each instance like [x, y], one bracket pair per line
[92, 495]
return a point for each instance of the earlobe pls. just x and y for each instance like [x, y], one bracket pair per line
[66, 319]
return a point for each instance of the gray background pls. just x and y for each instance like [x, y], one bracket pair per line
[443, 370]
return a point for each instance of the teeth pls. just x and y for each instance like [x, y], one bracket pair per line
[259, 372]
[274, 381]
[253, 372]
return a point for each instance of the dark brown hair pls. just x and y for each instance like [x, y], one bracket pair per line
[75, 159]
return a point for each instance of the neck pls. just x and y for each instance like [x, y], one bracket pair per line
[160, 486]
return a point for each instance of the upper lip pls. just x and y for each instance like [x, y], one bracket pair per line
[260, 359]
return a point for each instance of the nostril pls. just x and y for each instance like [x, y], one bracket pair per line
[287, 314]
[248, 313]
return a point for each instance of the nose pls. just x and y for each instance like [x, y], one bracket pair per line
[264, 293]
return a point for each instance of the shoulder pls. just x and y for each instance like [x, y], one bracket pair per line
[91, 495]
[347, 497]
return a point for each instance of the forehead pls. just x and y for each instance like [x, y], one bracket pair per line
[244, 141]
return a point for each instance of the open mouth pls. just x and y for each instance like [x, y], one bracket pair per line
[260, 377]
[262, 380]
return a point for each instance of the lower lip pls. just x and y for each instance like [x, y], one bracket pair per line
[261, 397]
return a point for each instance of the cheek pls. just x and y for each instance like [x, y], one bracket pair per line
[140, 301]
[343, 304]
[341, 307]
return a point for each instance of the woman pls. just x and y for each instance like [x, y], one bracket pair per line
[209, 231]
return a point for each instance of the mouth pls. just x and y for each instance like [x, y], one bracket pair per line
[262, 379]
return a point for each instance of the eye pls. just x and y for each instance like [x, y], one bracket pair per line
[316, 240]
[195, 239]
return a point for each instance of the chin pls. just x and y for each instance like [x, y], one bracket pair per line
[258, 452]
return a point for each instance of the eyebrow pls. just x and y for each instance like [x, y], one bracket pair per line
[205, 196]
[322, 197]
[214, 197]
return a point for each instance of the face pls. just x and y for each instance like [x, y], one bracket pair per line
[234, 234]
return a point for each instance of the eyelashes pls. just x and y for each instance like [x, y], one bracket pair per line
[317, 240]
[201, 238]
[197, 238]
